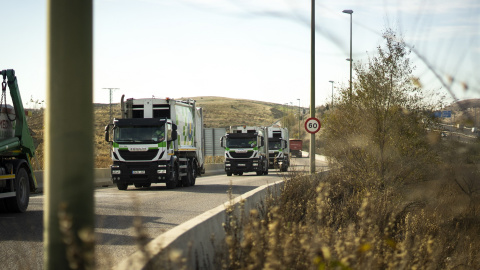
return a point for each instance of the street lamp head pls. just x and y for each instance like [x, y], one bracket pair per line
[331, 81]
[349, 11]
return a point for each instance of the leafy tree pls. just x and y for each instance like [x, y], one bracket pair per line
[379, 133]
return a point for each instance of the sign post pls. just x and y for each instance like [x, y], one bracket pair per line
[312, 85]
[312, 126]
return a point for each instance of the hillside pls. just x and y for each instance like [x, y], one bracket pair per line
[225, 112]
[465, 112]
[217, 111]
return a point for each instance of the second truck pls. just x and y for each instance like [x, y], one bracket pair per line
[157, 141]
[246, 150]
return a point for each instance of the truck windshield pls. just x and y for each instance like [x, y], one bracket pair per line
[274, 145]
[146, 134]
[241, 142]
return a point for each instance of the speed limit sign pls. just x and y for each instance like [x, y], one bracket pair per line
[312, 125]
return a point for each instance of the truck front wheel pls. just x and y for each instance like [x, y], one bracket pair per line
[189, 179]
[173, 181]
[19, 203]
[122, 186]
[194, 172]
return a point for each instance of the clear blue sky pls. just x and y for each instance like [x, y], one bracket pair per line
[252, 49]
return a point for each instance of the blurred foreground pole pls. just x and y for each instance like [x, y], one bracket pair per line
[68, 215]
[312, 91]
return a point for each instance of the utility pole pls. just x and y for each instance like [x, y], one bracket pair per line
[332, 91]
[299, 119]
[111, 94]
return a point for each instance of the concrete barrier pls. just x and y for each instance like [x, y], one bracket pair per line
[195, 240]
[103, 177]
[198, 239]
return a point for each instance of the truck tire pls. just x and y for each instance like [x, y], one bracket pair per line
[173, 182]
[240, 173]
[229, 174]
[259, 173]
[188, 179]
[3, 207]
[122, 186]
[19, 203]
[194, 172]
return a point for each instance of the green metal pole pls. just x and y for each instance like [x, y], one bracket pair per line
[69, 201]
[312, 91]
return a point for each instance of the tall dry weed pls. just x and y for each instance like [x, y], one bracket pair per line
[367, 228]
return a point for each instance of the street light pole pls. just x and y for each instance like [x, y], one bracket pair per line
[332, 91]
[298, 118]
[349, 11]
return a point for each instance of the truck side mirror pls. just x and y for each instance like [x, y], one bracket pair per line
[222, 142]
[284, 144]
[174, 133]
[107, 133]
[260, 141]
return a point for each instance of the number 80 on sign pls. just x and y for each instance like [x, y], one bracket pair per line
[312, 125]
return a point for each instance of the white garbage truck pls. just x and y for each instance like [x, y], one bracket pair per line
[246, 150]
[279, 150]
[156, 141]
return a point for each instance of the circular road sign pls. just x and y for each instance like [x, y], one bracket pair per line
[312, 125]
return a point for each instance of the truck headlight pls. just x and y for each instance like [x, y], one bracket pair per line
[115, 171]
[227, 165]
[161, 171]
[255, 164]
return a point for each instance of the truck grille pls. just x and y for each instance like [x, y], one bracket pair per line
[241, 155]
[148, 155]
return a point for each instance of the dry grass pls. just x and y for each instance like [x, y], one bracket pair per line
[324, 222]
[225, 112]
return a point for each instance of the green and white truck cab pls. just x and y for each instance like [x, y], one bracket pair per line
[279, 151]
[157, 141]
[246, 150]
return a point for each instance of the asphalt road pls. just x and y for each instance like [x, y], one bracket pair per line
[464, 135]
[158, 209]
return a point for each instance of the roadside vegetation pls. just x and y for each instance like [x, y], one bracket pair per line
[397, 196]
